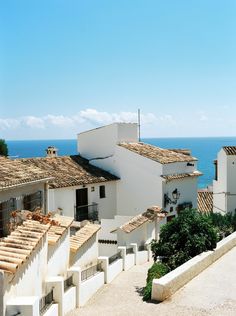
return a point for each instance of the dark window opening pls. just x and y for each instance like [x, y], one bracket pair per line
[6, 208]
[102, 191]
[33, 201]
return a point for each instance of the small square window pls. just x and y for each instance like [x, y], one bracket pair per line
[102, 192]
[92, 189]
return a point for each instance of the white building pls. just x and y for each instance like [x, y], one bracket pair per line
[224, 185]
[78, 189]
[21, 187]
[148, 175]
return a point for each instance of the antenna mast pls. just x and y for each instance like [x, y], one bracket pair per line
[139, 137]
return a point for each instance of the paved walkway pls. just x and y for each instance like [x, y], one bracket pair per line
[213, 292]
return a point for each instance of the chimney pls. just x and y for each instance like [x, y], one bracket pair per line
[51, 151]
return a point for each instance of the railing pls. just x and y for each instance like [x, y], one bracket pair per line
[91, 271]
[45, 302]
[114, 257]
[68, 283]
[142, 248]
[129, 250]
[89, 212]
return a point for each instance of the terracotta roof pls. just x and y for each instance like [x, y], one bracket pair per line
[56, 231]
[14, 173]
[163, 156]
[205, 201]
[82, 236]
[16, 248]
[148, 216]
[230, 150]
[171, 177]
[69, 170]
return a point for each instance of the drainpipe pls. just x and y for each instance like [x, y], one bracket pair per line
[46, 190]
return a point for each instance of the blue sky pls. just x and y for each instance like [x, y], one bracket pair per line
[66, 66]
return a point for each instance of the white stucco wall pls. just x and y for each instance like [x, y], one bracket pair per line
[220, 186]
[187, 188]
[65, 198]
[141, 235]
[101, 142]
[58, 256]
[140, 185]
[29, 278]
[89, 287]
[87, 255]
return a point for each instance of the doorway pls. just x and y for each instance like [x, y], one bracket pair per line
[81, 204]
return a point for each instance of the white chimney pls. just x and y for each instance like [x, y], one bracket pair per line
[51, 151]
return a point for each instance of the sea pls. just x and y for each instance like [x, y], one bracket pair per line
[203, 148]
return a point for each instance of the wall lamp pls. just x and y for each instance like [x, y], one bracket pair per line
[175, 197]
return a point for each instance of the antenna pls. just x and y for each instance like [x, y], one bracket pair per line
[139, 138]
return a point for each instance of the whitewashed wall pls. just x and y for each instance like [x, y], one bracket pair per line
[65, 198]
[141, 235]
[187, 188]
[28, 280]
[101, 142]
[87, 255]
[220, 186]
[58, 256]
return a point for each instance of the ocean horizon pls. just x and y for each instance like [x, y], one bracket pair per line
[205, 149]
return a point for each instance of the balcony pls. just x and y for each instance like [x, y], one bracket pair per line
[86, 212]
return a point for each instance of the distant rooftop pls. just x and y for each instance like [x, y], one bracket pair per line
[148, 216]
[230, 150]
[205, 201]
[82, 236]
[163, 156]
[178, 176]
[69, 170]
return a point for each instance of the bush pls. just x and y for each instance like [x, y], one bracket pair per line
[3, 148]
[225, 224]
[156, 271]
[183, 238]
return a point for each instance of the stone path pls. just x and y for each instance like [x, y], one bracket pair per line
[213, 292]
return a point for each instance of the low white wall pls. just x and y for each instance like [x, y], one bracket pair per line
[114, 269]
[167, 285]
[89, 287]
[52, 311]
[69, 300]
[129, 261]
[142, 257]
[107, 249]
[27, 306]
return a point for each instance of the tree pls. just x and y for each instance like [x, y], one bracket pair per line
[183, 238]
[3, 148]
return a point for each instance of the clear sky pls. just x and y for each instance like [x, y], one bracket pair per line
[66, 66]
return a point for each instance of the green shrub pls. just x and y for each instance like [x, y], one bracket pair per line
[3, 148]
[183, 238]
[156, 271]
[225, 224]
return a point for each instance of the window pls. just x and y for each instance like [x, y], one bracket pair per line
[102, 192]
[92, 189]
[6, 208]
[33, 201]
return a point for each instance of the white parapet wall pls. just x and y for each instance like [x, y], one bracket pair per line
[167, 285]
[142, 257]
[114, 269]
[89, 287]
[69, 299]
